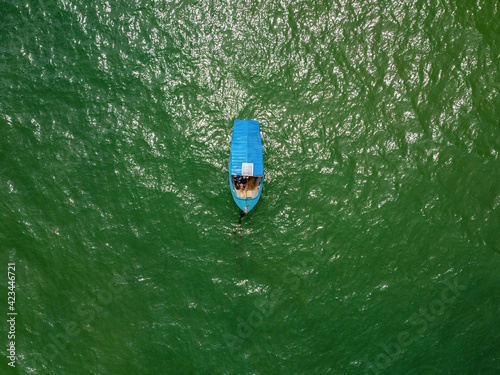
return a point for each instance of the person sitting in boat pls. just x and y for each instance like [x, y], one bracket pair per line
[240, 182]
[251, 181]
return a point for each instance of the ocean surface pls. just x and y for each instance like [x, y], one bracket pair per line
[374, 249]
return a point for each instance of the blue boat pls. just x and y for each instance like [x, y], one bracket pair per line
[246, 164]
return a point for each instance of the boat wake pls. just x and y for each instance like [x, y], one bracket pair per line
[238, 242]
[242, 213]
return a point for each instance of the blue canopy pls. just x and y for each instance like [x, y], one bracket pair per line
[246, 149]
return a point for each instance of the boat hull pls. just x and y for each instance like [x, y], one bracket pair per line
[246, 159]
[245, 204]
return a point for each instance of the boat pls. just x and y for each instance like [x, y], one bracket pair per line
[246, 164]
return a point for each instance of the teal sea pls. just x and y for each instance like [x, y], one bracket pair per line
[374, 249]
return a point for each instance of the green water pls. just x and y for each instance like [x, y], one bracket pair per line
[374, 248]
